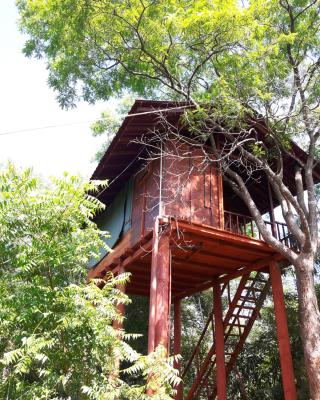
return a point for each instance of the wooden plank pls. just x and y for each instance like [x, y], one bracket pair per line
[222, 246]
[195, 289]
[177, 344]
[111, 257]
[177, 283]
[213, 233]
[255, 266]
[219, 342]
[138, 292]
[288, 379]
[163, 299]
[199, 268]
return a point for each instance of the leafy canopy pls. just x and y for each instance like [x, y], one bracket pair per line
[57, 339]
[236, 56]
[97, 49]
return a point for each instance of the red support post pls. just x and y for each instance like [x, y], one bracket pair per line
[163, 270]
[177, 343]
[153, 289]
[288, 380]
[160, 291]
[219, 342]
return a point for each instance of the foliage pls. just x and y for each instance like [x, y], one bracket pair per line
[93, 48]
[57, 340]
[207, 51]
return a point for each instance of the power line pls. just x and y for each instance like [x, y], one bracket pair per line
[42, 127]
[86, 122]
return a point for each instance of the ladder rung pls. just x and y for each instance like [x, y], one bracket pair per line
[257, 280]
[237, 325]
[250, 299]
[240, 316]
[252, 289]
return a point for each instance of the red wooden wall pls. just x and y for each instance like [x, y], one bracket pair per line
[190, 190]
[145, 200]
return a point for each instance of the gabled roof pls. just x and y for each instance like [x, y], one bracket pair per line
[123, 157]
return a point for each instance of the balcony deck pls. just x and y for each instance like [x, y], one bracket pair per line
[199, 254]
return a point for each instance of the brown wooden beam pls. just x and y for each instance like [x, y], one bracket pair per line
[288, 380]
[177, 343]
[221, 377]
[199, 268]
[255, 266]
[162, 327]
[153, 289]
[195, 289]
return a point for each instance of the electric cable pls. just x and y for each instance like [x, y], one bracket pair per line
[86, 122]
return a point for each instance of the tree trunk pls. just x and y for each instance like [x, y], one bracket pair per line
[309, 317]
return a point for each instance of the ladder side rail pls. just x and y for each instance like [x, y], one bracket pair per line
[254, 310]
[197, 347]
[199, 378]
[246, 331]
[248, 327]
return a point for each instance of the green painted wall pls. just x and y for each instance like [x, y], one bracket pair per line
[116, 219]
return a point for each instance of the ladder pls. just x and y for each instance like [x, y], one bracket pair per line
[242, 311]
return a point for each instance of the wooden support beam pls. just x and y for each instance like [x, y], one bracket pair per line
[138, 292]
[219, 342]
[162, 334]
[177, 343]
[153, 289]
[288, 380]
[255, 266]
[215, 234]
[198, 268]
[196, 289]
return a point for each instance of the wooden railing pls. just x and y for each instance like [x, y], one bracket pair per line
[245, 225]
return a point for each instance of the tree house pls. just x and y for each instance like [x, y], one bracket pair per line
[178, 228]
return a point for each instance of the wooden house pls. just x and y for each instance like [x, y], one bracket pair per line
[179, 229]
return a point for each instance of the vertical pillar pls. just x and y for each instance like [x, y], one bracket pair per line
[153, 288]
[177, 342]
[162, 328]
[160, 291]
[219, 342]
[288, 380]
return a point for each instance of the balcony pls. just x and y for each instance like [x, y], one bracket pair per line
[246, 226]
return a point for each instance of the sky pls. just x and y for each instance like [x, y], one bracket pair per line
[26, 101]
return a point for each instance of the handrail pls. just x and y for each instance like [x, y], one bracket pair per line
[246, 226]
[204, 331]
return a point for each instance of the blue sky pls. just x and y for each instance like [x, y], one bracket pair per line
[26, 101]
